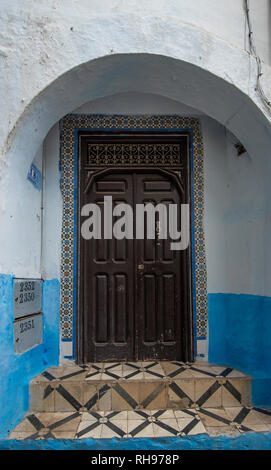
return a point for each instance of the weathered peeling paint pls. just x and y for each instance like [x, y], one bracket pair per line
[246, 441]
[58, 58]
[18, 370]
[239, 337]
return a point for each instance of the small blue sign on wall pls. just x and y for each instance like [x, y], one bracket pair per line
[34, 176]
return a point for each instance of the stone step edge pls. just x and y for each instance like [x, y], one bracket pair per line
[218, 378]
[170, 408]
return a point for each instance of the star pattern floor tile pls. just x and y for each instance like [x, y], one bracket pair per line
[137, 385]
[142, 423]
[133, 370]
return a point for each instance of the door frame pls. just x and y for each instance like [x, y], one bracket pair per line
[189, 335]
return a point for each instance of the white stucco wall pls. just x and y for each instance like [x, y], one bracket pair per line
[234, 198]
[21, 241]
[260, 12]
[42, 40]
[234, 221]
[52, 207]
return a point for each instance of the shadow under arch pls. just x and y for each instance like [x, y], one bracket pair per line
[146, 73]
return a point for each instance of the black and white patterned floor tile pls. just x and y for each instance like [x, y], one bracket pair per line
[106, 372]
[64, 393]
[47, 426]
[146, 370]
[184, 392]
[142, 423]
[125, 371]
[139, 423]
[65, 373]
[176, 369]
[138, 371]
[244, 419]
[111, 377]
[177, 391]
[94, 424]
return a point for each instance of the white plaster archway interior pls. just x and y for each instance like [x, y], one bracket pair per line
[142, 73]
[169, 79]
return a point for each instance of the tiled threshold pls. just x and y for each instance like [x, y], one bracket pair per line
[140, 400]
[138, 386]
[231, 421]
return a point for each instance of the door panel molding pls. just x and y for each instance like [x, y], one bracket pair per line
[173, 336]
[72, 127]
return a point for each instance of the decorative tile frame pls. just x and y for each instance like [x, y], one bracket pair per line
[69, 127]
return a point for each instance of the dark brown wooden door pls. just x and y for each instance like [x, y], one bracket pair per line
[134, 294]
[108, 280]
[159, 300]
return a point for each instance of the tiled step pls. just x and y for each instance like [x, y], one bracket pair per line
[138, 386]
[231, 421]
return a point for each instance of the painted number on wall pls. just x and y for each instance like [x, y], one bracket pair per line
[27, 297]
[26, 325]
[27, 333]
[26, 292]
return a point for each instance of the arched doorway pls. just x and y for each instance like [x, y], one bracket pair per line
[135, 296]
[194, 86]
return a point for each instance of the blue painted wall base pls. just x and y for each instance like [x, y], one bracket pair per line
[18, 370]
[240, 337]
[246, 441]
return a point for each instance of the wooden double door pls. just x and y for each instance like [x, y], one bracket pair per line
[134, 294]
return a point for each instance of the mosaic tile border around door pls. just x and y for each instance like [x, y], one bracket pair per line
[69, 127]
